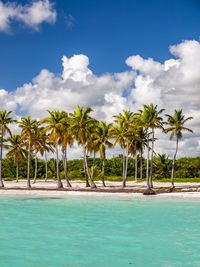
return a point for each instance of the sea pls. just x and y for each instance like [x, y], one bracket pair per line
[99, 231]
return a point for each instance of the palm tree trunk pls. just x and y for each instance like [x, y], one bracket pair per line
[141, 163]
[64, 152]
[152, 151]
[126, 166]
[59, 182]
[147, 171]
[28, 167]
[1, 153]
[173, 164]
[17, 170]
[94, 155]
[136, 166]
[35, 176]
[103, 163]
[93, 185]
[46, 169]
[85, 173]
[123, 168]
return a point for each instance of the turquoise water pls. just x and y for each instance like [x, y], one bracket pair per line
[99, 231]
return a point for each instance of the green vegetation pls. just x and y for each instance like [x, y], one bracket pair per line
[186, 170]
[134, 133]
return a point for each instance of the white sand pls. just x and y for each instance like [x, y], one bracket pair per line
[81, 184]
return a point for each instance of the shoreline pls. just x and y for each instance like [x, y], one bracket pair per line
[40, 188]
[56, 193]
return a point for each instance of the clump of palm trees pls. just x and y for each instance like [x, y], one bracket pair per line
[134, 133]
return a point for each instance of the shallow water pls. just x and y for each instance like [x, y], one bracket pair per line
[99, 231]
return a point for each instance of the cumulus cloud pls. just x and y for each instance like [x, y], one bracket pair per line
[172, 84]
[76, 86]
[31, 15]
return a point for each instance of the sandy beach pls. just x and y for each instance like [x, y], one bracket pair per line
[133, 189]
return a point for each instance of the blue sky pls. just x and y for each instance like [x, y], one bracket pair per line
[106, 31]
[140, 52]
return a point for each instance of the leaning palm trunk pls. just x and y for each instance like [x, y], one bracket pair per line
[46, 169]
[35, 176]
[152, 151]
[103, 163]
[126, 166]
[28, 167]
[93, 166]
[123, 168]
[92, 184]
[147, 171]
[141, 163]
[64, 154]
[17, 170]
[85, 173]
[136, 170]
[59, 182]
[173, 165]
[1, 181]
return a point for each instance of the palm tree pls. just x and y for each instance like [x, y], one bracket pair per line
[119, 133]
[65, 139]
[150, 119]
[16, 151]
[134, 140]
[27, 125]
[142, 143]
[162, 165]
[126, 120]
[5, 120]
[102, 135]
[142, 119]
[46, 146]
[36, 144]
[54, 126]
[92, 148]
[176, 127]
[82, 126]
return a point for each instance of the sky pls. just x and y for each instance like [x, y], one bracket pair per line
[110, 55]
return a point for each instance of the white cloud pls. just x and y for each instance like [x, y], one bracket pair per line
[77, 86]
[172, 84]
[31, 15]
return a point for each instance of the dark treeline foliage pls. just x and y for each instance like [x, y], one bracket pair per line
[185, 168]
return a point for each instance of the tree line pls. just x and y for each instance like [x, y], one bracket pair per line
[185, 168]
[133, 132]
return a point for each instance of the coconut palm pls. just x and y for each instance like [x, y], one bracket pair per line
[36, 136]
[150, 119]
[27, 125]
[102, 136]
[126, 119]
[47, 146]
[176, 127]
[142, 144]
[16, 150]
[134, 140]
[82, 127]
[92, 148]
[55, 126]
[66, 139]
[142, 119]
[155, 121]
[5, 120]
[162, 165]
[120, 135]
